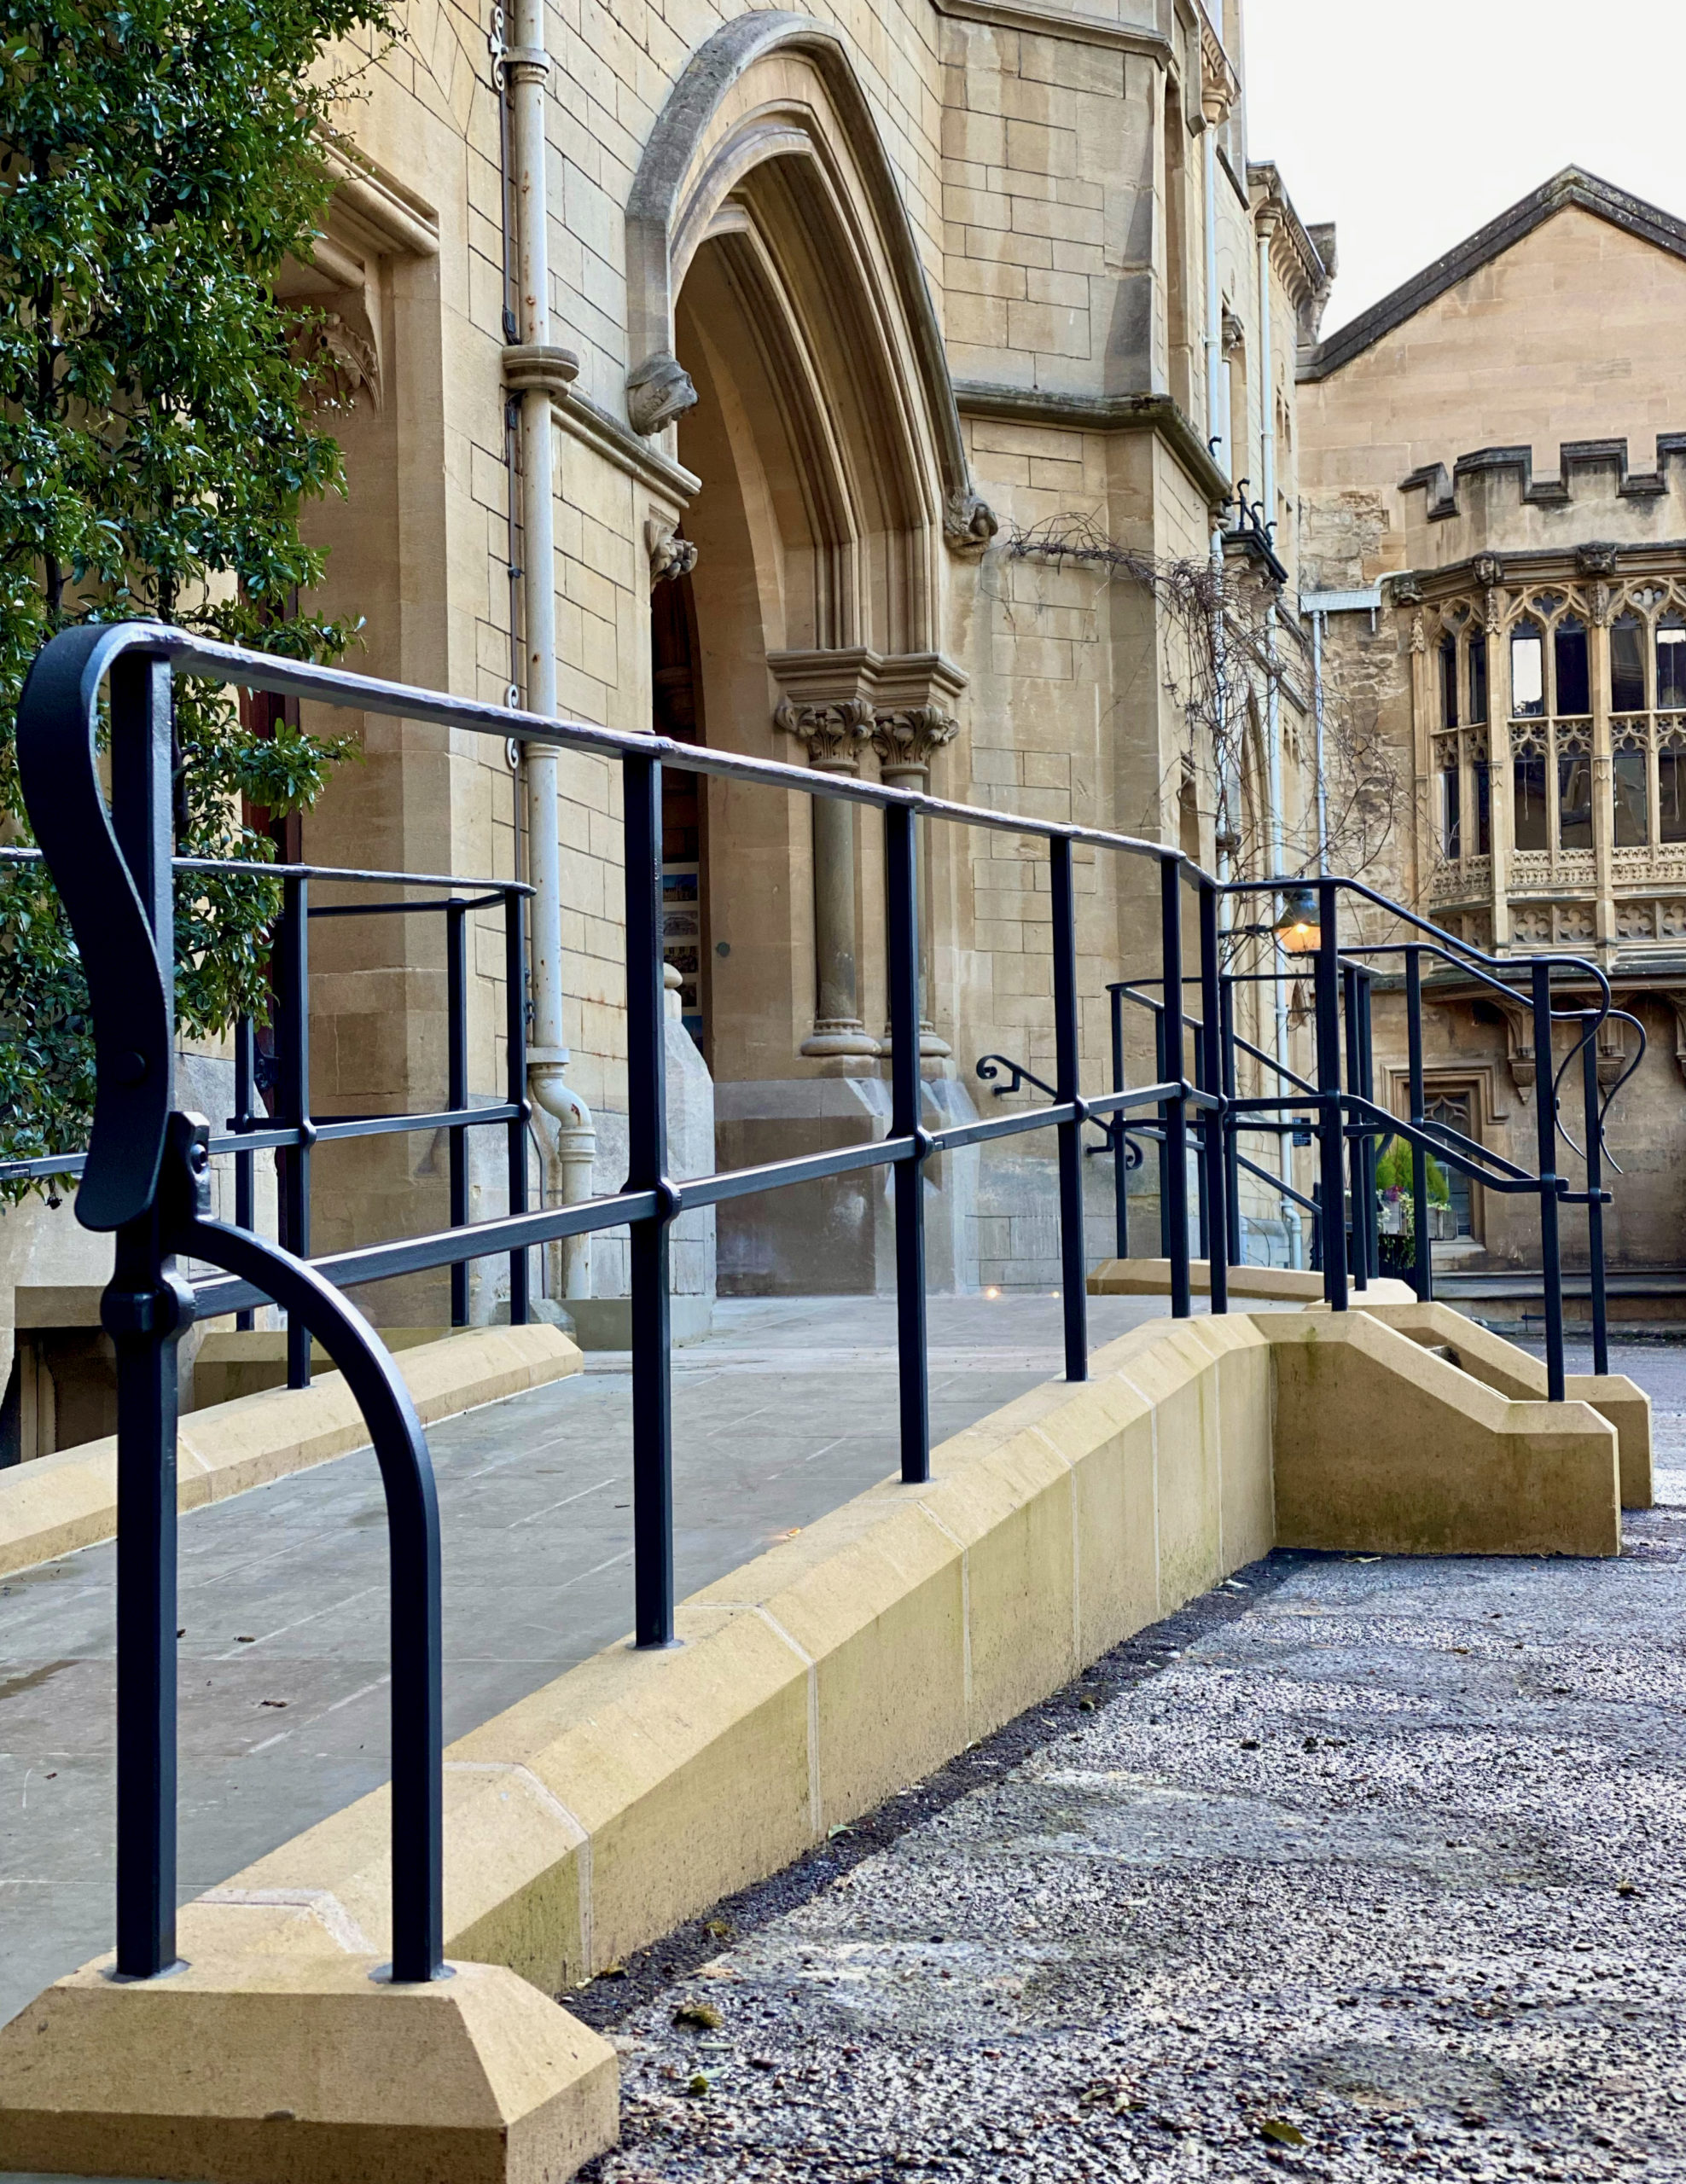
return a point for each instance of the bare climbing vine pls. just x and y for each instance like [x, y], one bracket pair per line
[1223, 653]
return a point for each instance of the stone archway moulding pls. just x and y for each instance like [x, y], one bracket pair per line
[673, 199]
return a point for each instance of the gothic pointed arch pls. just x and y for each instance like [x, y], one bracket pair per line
[768, 142]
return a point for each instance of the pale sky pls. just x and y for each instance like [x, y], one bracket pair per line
[1411, 125]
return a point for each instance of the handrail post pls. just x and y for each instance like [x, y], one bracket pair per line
[901, 878]
[516, 1091]
[1423, 1273]
[457, 1088]
[647, 1170]
[1067, 1082]
[1212, 1132]
[1162, 1076]
[1230, 1087]
[1332, 1128]
[1121, 1138]
[1545, 1102]
[145, 1310]
[1173, 1112]
[1369, 1141]
[245, 1163]
[1359, 1251]
[1202, 1198]
[294, 1041]
[1594, 1125]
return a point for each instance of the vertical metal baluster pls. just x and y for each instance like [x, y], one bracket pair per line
[1162, 1076]
[1120, 1141]
[1371, 1149]
[1174, 1113]
[1215, 1165]
[1202, 1201]
[1550, 1249]
[145, 1310]
[1331, 1128]
[294, 1060]
[516, 1091]
[1424, 1247]
[1068, 1087]
[1595, 1187]
[457, 1088]
[245, 1163]
[1358, 1253]
[647, 1170]
[1230, 1089]
[901, 871]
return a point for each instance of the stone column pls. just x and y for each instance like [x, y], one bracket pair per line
[905, 740]
[835, 734]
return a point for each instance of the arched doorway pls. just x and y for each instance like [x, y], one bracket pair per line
[776, 282]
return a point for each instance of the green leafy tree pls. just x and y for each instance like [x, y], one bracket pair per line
[160, 429]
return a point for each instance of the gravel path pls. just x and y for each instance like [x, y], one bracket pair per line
[1354, 1867]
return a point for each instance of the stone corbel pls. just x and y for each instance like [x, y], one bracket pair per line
[1677, 1001]
[670, 556]
[1519, 1041]
[968, 523]
[657, 391]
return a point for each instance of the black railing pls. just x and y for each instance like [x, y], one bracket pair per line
[1341, 1108]
[145, 1175]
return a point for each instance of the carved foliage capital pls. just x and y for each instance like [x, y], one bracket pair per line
[910, 735]
[836, 732]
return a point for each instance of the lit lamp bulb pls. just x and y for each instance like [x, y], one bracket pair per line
[1298, 931]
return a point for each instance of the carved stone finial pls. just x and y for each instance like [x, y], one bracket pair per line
[657, 391]
[1597, 558]
[835, 732]
[670, 554]
[908, 738]
[969, 523]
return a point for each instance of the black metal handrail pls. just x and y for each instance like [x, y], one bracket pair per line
[143, 1175]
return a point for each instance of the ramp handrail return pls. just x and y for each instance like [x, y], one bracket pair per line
[145, 1177]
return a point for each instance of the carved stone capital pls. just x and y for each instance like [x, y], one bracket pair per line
[836, 731]
[657, 391]
[907, 739]
[969, 523]
[670, 555]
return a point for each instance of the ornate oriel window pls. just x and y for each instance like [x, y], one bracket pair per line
[1554, 741]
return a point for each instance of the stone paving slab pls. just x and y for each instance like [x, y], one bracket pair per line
[1357, 1868]
[789, 1410]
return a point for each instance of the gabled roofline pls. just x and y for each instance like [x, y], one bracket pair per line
[1573, 186]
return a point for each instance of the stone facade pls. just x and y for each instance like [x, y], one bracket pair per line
[1495, 512]
[842, 309]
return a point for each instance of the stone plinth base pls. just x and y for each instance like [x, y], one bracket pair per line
[261, 2069]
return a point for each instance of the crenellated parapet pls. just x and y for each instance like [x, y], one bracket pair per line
[1586, 470]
